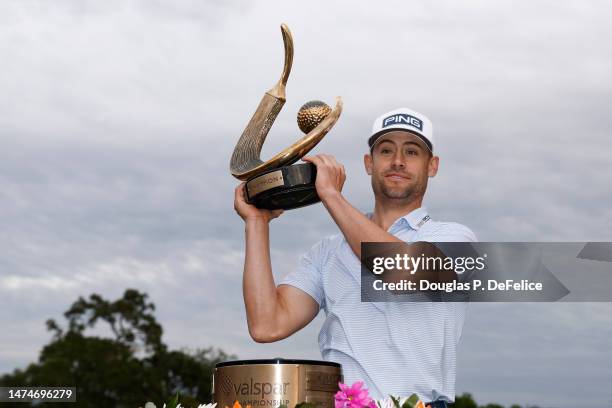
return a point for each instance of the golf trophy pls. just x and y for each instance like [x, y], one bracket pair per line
[276, 183]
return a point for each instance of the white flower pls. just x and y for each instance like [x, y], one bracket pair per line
[150, 405]
[385, 403]
[207, 405]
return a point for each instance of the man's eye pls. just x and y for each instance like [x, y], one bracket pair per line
[385, 151]
[411, 152]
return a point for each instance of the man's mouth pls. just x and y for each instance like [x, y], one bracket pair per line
[397, 176]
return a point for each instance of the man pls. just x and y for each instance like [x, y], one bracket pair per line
[395, 348]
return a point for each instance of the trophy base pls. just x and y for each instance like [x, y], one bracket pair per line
[286, 188]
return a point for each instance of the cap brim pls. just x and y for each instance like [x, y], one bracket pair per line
[374, 138]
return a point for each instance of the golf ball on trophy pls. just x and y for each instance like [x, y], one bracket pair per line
[311, 114]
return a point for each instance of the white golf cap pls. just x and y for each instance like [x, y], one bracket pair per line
[403, 119]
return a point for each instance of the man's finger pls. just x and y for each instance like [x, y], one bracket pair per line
[331, 160]
[323, 159]
[239, 192]
[316, 160]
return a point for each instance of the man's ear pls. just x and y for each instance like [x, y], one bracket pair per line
[434, 162]
[367, 162]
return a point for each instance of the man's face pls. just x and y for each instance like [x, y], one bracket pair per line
[400, 165]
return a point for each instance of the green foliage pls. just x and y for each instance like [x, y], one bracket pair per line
[173, 402]
[411, 402]
[125, 371]
[464, 400]
[493, 406]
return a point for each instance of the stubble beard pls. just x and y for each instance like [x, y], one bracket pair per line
[395, 193]
[408, 193]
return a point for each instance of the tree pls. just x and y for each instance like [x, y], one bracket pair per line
[464, 400]
[493, 406]
[126, 370]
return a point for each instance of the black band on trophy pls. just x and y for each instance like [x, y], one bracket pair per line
[288, 187]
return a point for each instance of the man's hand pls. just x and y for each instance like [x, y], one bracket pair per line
[248, 211]
[330, 175]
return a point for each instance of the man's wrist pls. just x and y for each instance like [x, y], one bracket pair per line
[330, 197]
[255, 220]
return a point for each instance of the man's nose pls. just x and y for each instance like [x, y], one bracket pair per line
[398, 159]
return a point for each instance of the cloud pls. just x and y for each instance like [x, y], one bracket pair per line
[118, 121]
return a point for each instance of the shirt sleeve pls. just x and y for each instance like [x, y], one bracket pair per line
[444, 232]
[307, 275]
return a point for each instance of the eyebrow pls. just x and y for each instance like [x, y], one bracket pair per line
[409, 142]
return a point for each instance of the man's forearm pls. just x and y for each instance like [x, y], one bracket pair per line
[358, 228]
[355, 226]
[258, 287]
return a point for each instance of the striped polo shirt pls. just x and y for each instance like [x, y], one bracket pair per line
[395, 348]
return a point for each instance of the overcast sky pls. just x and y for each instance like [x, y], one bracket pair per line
[118, 119]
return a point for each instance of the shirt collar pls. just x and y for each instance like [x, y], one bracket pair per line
[415, 218]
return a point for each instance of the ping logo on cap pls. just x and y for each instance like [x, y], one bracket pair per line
[402, 119]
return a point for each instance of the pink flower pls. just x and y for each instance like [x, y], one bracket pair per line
[354, 396]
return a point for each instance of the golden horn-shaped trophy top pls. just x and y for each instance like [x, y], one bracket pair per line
[245, 162]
